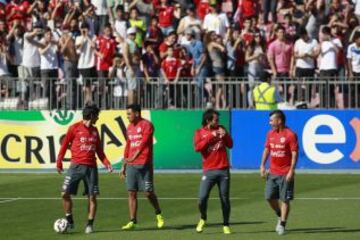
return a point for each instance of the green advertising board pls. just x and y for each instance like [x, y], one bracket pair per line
[174, 132]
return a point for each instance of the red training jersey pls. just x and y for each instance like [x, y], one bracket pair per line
[212, 149]
[84, 142]
[170, 66]
[107, 47]
[281, 145]
[166, 16]
[140, 138]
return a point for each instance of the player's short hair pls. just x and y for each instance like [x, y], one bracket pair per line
[279, 114]
[90, 111]
[208, 115]
[134, 107]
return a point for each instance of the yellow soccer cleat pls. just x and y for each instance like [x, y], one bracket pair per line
[160, 221]
[200, 226]
[226, 230]
[129, 226]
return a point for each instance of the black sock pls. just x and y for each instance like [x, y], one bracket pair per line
[69, 218]
[90, 222]
[278, 213]
[134, 220]
[283, 223]
[157, 212]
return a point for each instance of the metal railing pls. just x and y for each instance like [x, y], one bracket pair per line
[192, 93]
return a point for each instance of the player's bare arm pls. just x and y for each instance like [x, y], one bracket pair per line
[263, 162]
[291, 173]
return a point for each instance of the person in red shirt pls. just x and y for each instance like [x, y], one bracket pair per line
[282, 146]
[84, 141]
[105, 50]
[17, 10]
[170, 69]
[138, 164]
[212, 141]
[169, 42]
[166, 17]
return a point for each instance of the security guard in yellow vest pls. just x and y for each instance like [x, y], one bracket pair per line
[265, 94]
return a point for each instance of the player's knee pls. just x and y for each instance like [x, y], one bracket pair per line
[149, 194]
[65, 196]
[92, 199]
[203, 199]
[132, 195]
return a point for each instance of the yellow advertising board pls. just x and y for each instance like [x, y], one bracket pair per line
[31, 140]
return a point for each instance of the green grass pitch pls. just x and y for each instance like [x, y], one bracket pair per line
[326, 207]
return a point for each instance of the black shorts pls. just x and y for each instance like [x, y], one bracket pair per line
[89, 75]
[76, 173]
[305, 72]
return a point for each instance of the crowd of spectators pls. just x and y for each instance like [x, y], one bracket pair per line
[135, 42]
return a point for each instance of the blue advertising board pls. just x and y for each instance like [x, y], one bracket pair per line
[327, 139]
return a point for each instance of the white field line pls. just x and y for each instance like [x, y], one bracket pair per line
[7, 200]
[4, 200]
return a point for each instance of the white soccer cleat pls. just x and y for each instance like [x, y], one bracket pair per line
[278, 225]
[281, 230]
[89, 229]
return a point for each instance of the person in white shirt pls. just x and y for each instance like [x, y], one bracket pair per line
[120, 25]
[357, 8]
[353, 57]
[353, 60]
[86, 47]
[305, 53]
[49, 65]
[31, 55]
[215, 21]
[327, 50]
[101, 12]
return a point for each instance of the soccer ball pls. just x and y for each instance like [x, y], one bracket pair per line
[61, 225]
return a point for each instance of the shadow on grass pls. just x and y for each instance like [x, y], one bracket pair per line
[179, 227]
[323, 230]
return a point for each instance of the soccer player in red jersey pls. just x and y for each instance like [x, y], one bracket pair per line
[282, 146]
[212, 141]
[138, 164]
[84, 141]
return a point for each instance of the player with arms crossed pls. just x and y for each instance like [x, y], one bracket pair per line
[211, 141]
[138, 165]
[282, 146]
[84, 141]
